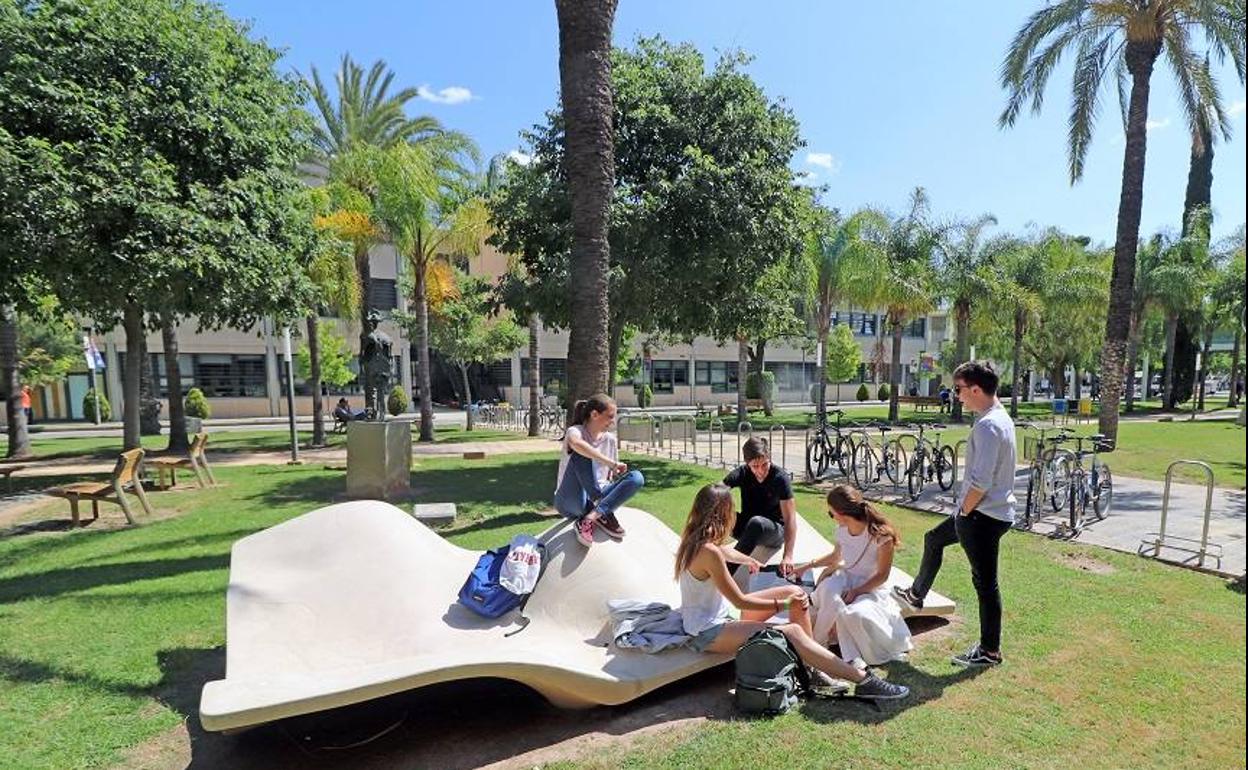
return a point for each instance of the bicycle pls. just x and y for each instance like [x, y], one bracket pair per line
[824, 449]
[1048, 474]
[929, 461]
[869, 465]
[1094, 484]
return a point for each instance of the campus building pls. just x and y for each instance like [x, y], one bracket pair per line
[242, 371]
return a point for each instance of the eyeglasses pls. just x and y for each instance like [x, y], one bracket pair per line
[957, 389]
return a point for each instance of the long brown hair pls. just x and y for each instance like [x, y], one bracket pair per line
[599, 402]
[710, 520]
[848, 501]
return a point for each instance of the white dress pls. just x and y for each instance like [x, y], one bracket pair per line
[872, 627]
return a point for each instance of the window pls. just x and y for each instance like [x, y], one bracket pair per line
[499, 372]
[553, 370]
[383, 294]
[916, 328]
[186, 372]
[862, 324]
[666, 375]
[720, 375]
[225, 376]
[790, 375]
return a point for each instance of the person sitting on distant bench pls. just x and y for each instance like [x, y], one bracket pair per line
[344, 412]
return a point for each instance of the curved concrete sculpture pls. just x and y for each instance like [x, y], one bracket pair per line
[358, 600]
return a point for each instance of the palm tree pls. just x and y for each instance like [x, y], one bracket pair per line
[588, 106]
[902, 282]
[1127, 36]
[1176, 284]
[840, 256]
[1018, 293]
[1232, 288]
[965, 278]
[1148, 259]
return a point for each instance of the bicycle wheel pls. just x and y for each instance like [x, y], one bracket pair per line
[865, 462]
[944, 468]
[817, 457]
[1031, 513]
[1102, 490]
[1077, 502]
[844, 454]
[1059, 466]
[893, 461]
[916, 473]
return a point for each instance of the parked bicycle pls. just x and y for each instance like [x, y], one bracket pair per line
[871, 465]
[929, 461]
[1048, 477]
[830, 445]
[1093, 485]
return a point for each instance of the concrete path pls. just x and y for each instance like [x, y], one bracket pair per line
[1134, 518]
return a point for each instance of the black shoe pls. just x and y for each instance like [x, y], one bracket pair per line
[874, 688]
[908, 598]
[976, 658]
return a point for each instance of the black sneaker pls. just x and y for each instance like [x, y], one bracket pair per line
[976, 658]
[907, 597]
[874, 688]
[611, 525]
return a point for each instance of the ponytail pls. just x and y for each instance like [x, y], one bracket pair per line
[581, 410]
[848, 501]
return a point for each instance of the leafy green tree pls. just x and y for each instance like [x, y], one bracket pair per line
[467, 330]
[841, 355]
[1128, 38]
[160, 152]
[49, 345]
[335, 356]
[89, 401]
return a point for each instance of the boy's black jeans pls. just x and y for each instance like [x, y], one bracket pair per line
[980, 537]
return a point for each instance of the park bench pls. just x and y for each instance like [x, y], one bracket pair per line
[751, 404]
[7, 471]
[194, 459]
[920, 403]
[126, 473]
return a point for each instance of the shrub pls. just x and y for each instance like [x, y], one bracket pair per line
[645, 396]
[883, 393]
[863, 393]
[1005, 390]
[396, 402]
[88, 407]
[196, 404]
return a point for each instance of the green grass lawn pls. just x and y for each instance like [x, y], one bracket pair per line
[107, 636]
[50, 446]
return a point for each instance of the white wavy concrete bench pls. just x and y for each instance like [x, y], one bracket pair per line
[358, 600]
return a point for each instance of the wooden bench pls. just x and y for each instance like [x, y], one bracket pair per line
[7, 471]
[195, 460]
[920, 403]
[126, 473]
[751, 404]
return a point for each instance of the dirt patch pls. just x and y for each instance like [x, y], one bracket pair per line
[1085, 563]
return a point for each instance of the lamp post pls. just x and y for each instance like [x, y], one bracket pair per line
[290, 396]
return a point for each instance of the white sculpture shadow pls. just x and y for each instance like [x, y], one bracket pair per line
[356, 601]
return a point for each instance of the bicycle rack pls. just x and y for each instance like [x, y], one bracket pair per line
[746, 426]
[710, 438]
[1162, 540]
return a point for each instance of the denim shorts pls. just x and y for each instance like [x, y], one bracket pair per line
[707, 636]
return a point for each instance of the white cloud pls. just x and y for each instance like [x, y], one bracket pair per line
[1154, 125]
[824, 160]
[1236, 109]
[523, 158]
[448, 95]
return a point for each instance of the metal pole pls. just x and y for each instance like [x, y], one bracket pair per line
[95, 388]
[290, 396]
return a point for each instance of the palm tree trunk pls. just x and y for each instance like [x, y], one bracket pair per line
[742, 369]
[423, 380]
[962, 319]
[535, 376]
[821, 383]
[1233, 400]
[1018, 353]
[1133, 354]
[11, 383]
[585, 88]
[463, 372]
[1078, 378]
[1204, 366]
[173, 375]
[1167, 388]
[365, 273]
[1140, 57]
[133, 323]
[894, 371]
[314, 380]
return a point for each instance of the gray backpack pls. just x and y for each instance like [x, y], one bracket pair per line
[770, 675]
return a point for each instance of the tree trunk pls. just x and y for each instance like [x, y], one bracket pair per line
[177, 411]
[1203, 372]
[423, 378]
[615, 339]
[1167, 387]
[133, 324]
[1057, 380]
[742, 369]
[535, 377]
[1133, 355]
[586, 95]
[11, 382]
[821, 378]
[1140, 57]
[758, 365]
[463, 371]
[1233, 400]
[314, 380]
[365, 271]
[962, 319]
[1019, 319]
[894, 372]
[1078, 379]
[149, 404]
[1186, 346]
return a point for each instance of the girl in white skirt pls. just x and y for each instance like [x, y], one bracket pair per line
[851, 606]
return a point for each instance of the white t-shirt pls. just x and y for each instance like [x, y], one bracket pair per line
[605, 443]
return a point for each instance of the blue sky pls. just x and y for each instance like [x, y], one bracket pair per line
[889, 95]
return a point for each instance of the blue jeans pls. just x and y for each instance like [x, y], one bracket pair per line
[580, 488]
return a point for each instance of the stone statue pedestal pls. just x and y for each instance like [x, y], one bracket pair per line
[379, 459]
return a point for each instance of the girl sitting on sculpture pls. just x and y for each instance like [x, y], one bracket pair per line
[592, 483]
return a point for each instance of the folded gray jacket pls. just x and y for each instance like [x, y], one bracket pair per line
[646, 626]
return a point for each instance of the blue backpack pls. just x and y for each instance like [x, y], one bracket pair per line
[485, 595]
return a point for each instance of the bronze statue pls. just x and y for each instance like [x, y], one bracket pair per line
[375, 368]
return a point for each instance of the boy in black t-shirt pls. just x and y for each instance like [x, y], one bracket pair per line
[768, 512]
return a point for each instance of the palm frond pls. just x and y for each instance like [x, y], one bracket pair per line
[1090, 66]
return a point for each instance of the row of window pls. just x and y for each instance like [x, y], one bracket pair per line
[867, 324]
